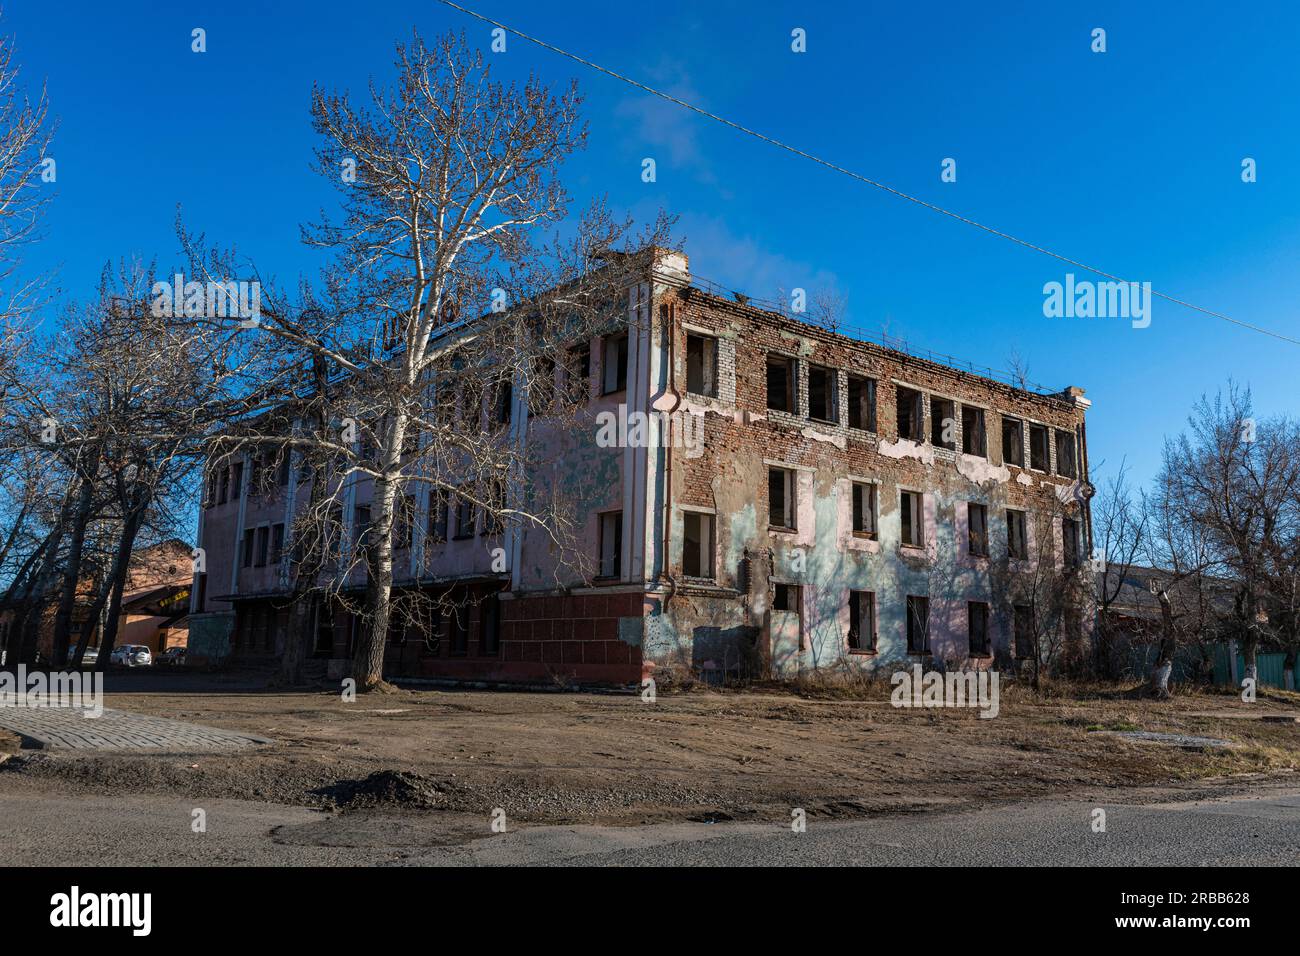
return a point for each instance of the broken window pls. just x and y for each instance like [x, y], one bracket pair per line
[702, 365]
[780, 498]
[611, 544]
[864, 508]
[489, 623]
[404, 520]
[438, 514]
[263, 546]
[277, 543]
[541, 386]
[1038, 451]
[1013, 442]
[361, 529]
[780, 383]
[578, 373]
[1065, 459]
[943, 423]
[823, 394]
[249, 534]
[1017, 543]
[697, 545]
[1070, 541]
[862, 621]
[785, 597]
[972, 431]
[918, 624]
[464, 517]
[977, 517]
[458, 624]
[909, 414]
[912, 517]
[223, 487]
[236, 479]
[977, 624]
[614, 368]
[1023, 625]
[493, 519]
[862, 403]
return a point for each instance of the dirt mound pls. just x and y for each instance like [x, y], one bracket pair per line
[386, 788]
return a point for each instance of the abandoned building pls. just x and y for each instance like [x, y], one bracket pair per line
[840, 503]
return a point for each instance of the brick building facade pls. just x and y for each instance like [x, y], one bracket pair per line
[801, 500]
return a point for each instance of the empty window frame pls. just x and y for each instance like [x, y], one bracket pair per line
[697, 545]
[1066, 461]
[781, 512]
[977, 626]
[1070, 542]
[236, 479]
[702, 365]
[823, 394]
[614, 367]
[911, 512]
[263, 546]
[1039, 454]
[780, 383]
[503, 400]
[458, 625]
[862, 403]
[249, 536]
[1013, 442]
[465, 517]
[785, 597]
[910, 414]
[489, 626]
[404, 521]
[277, 543]
[541, 385]
[1017, 540]
[862, 621]
[943, 423]
[494, 519]
[438, 514]
[611, 544]
[864, 509]
[578, 373]
[918, 624]
[1022, 622]
[361, 528]
[972, 432]
[977, 530]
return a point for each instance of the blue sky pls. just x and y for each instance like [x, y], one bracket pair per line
[1130, 160]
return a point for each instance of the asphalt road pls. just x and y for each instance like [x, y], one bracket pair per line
[43, 828]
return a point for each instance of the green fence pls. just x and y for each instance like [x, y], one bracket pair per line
[1270, 668]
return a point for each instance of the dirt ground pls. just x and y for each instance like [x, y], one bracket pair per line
[703, 755]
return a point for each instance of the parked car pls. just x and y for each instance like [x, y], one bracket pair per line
[131, 655]
[172, 657]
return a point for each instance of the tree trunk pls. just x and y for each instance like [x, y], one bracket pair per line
[116, 584]
[1158, 685]
[368, 657]
[72, 573]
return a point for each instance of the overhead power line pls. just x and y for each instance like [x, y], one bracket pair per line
[858, 176]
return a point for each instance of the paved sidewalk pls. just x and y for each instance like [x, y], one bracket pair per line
[68, 728]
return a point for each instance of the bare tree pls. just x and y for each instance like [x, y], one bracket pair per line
[442, 307]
